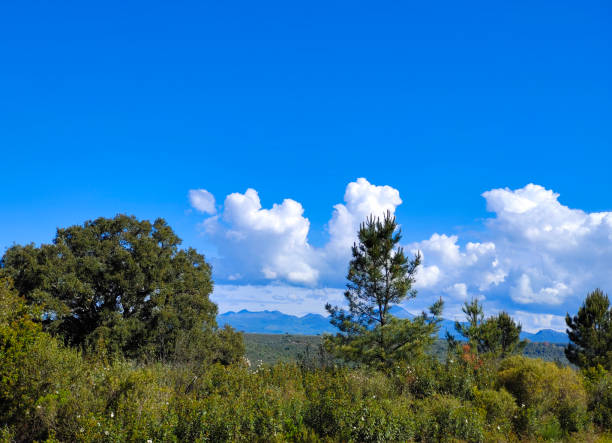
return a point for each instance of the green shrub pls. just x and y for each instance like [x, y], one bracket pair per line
[598, 382]
[499, 408]
[445, 418]
[544, 393]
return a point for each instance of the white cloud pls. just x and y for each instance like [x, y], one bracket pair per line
[202, 200]
[286, 298]
[533, 322]
[256, 243]
[446, 264]
[362, 199]
[524, 294]
[535, 256]
[553, 253]
[458, 290]
[272, 244]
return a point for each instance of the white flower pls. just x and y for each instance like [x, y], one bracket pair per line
[112, 415]
[149, 441]
[82, 430]
[105, 432]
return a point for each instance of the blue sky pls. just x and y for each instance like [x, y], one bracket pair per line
[126, 106]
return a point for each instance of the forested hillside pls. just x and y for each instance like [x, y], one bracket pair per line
[288, 348]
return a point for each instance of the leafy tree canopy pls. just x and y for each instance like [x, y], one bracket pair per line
[380, 276]
[590, 332]
[498, 334]
[121, 284]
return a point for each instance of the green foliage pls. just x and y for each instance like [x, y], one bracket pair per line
[590, 332]
[287, 348]
[598, 383]
[379, 276]
[123, 285]
[445, 418]
[498, 334]
[163, 371]
[72, 398]
[545, 394]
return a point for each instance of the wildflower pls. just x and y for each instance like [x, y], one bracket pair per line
[149, 441]
[38, 406]
[498, 428]
[82, 430]
[362, 418]
[112, 415]
[466, 421]
[105, 432]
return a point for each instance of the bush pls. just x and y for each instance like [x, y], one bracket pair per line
[598, 382]
[445, 418]
[499, 408]
[545, 393]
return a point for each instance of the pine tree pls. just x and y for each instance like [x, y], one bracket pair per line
[380, 276]
[590, 332]
[498, 334]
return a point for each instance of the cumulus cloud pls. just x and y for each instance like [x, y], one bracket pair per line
[450, 264]
[551, 252]
[361, 199]
[203, 201]
[535, 256]
[259, 244]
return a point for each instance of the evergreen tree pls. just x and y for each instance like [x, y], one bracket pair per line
[590, 332]
[124, 285]
[380, 276]
[498, 334]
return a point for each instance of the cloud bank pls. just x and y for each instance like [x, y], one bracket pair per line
[536, 257]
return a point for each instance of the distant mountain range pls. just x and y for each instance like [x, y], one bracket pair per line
[276, 322]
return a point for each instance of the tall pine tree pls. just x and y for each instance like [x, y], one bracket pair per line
[380, 276]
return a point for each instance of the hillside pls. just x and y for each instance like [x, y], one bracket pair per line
[274, 348]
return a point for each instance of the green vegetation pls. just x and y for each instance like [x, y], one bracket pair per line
[289, 348]
[497, 335]
[133, 374]
[379, 276]
[591, 332]
[123, 286]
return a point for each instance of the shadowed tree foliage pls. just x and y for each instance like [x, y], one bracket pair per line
[121, 285]
[498, 334]
[590, 332]
[380, 276]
